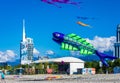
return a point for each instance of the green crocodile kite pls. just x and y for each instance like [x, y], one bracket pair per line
[74, 42]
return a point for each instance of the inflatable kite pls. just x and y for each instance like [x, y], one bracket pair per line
[83, 24]
[73, 42]
[53, 2]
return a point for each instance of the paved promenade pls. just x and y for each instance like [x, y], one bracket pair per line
[98, 78]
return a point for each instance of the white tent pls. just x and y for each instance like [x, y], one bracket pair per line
[64, 59]
[74, 63]
[69, 60]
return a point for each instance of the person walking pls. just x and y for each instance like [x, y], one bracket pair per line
[3, 77]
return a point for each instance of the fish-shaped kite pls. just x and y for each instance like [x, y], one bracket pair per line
[83, 24]
[73, 42]
[53, 2]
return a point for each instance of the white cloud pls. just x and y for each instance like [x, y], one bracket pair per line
[75, 53]
[49, 52]
[103, 44]
[8, 55]
[35, 51]
[100, 43]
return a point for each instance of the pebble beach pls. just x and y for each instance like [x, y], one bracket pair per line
[41, 78]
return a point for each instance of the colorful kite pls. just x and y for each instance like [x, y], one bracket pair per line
[73, 42]
[83, 24]
[53, 2]
[84, 18]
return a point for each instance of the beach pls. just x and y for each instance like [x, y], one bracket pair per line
[41, 78]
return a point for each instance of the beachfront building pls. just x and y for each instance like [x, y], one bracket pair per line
[26, 48]
[66, 65]
[117, 44]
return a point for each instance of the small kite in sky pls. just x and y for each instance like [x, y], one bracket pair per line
[83, 24]
[61, 1]
[51, 2]
[84, 18]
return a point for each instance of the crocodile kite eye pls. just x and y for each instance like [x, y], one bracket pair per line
[57, 35]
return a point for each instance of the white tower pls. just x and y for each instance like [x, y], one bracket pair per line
[26, 48]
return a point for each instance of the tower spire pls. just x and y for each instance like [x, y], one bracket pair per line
[24, 35]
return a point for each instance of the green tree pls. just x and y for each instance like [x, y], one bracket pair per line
[54, 66]
[100, 71]
[116, 63]
[88, 64]
[8, 67]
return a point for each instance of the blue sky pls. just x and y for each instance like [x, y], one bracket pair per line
[42, 19]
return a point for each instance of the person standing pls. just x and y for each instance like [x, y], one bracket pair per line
[3, 77]
[68, 71]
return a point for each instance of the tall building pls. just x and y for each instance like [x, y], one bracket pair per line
[117, 44]
[26, 48]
